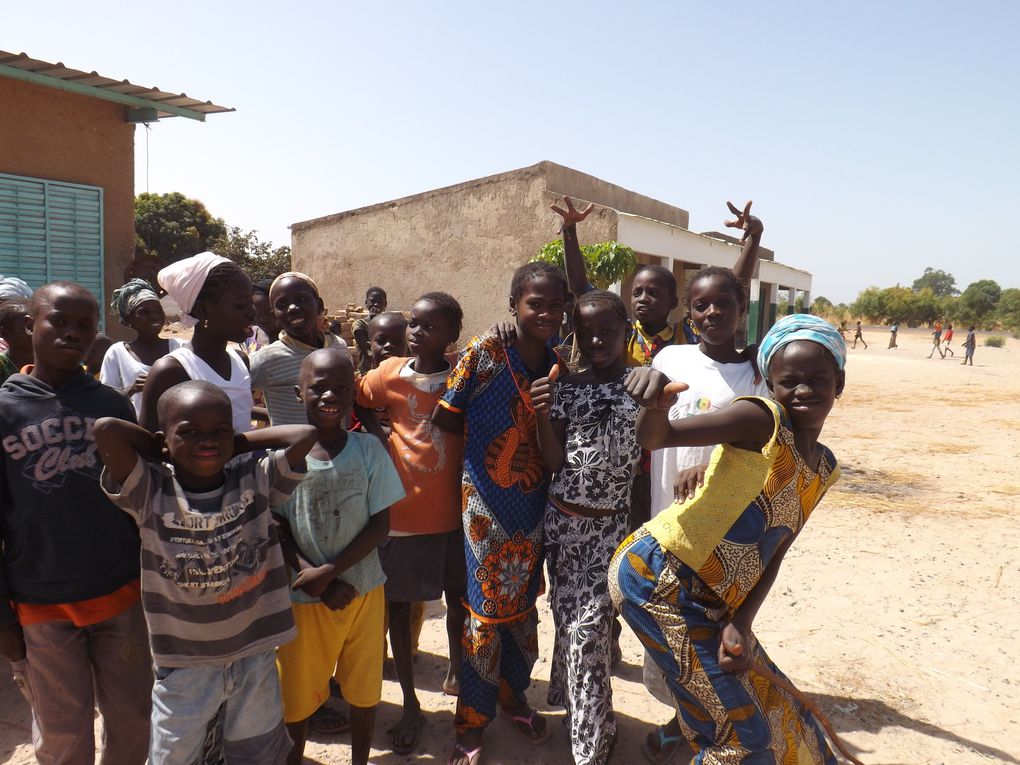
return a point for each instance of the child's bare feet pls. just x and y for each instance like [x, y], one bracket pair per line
[451, 685]
[405, 734]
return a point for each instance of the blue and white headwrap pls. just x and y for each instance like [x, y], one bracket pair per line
[800, 326]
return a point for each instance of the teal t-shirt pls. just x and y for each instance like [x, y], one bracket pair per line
[334, 503]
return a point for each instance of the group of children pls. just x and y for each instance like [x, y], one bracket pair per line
[266, 559]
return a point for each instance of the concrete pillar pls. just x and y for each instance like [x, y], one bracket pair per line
[791, 304]
[807, 301]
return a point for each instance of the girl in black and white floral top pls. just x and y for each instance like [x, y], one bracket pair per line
[586, 425]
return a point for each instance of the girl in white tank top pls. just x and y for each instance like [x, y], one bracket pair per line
[237, 388]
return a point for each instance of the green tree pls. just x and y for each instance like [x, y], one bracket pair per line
[868, 304]
[605, 263]
[259, 259]
[173, 226]
[1007, 311]
[938, 281]
[977, 303]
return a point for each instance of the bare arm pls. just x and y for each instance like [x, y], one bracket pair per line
[573, 259]
[447, 419]
[121, 444]
[744, 424]
[753, 228]
[165, 374]
[295, 440]
[314, 581]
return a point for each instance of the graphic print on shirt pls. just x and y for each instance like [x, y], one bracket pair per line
[220, 563]
[53, 447]
[425, 434]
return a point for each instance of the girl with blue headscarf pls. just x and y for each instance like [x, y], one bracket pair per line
[126, 364]
[691, 581]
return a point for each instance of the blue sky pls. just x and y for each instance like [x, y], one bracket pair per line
[875, 138]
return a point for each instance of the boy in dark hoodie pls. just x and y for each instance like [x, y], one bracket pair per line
[71, 622]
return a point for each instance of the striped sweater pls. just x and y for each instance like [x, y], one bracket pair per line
[214, 584]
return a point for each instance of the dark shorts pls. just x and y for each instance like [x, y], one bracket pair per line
[423, 566]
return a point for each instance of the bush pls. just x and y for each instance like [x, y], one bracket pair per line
[995, 341]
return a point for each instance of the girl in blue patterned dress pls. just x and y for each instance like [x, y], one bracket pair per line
[489, 399]
[691, 581]
[588, 439]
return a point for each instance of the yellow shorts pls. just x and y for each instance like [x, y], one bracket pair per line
[347, 645]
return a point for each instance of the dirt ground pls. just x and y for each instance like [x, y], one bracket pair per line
[897, 610]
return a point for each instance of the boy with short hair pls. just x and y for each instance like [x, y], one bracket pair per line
[214, 584]
[337, 519]
[375, 304]
[70, 619]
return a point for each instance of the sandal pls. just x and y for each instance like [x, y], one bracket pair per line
[405, 740]
[664, 743]
[327, 721]
[525, 726]
[473, 755]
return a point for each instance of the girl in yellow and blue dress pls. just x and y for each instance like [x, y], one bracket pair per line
[691, 581]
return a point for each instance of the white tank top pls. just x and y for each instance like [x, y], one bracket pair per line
[237, 388]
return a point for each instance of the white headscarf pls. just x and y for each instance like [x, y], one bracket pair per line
[13, 288]
[184, 279]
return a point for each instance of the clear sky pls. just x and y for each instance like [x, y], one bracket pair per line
[875, 138]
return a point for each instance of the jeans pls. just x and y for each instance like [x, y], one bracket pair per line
[185, 699]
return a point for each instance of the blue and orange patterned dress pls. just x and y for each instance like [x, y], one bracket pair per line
[504, 497]
[679, 579]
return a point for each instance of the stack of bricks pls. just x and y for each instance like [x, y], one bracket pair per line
[347, 317]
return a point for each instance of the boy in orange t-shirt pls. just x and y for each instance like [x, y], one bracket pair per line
[423, 558]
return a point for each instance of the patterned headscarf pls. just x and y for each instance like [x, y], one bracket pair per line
[128, 297]
[294, 275]
[13, 288]
[801, 326]
[184, 279]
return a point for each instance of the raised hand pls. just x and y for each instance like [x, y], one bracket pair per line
[570, 215]
[651, 389]
[543, 391]
[750, 225]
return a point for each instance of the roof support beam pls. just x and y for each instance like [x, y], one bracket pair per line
[94, 92]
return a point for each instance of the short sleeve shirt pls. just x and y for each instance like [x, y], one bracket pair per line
[334, 504]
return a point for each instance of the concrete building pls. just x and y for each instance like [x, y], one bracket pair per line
[67, 166]
[467, 239]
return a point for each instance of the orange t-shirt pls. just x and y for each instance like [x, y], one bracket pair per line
[428, 460]
[81, 613]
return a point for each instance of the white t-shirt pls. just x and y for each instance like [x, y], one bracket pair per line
[712, 386]
[120, 369]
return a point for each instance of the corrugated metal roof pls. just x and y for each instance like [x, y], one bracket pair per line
[166, 104]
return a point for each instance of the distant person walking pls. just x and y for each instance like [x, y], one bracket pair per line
[936, 340]
[968, 346]
[859, 336]
[947, 338]
[842, 329]
[893, 330]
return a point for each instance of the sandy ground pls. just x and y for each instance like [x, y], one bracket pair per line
[897, 610]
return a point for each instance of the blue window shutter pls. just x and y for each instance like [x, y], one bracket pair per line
[52, 231]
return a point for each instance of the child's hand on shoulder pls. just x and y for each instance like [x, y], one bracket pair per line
[506, 331]
[338, 595]
[651, 389]
[314, 581]
[543, 391]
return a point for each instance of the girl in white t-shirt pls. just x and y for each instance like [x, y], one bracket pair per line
[716, 373]
[126, 364]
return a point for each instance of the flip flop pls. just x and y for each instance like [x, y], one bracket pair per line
[534, 737]
[327, 721]
[473, 755]
[664, 741]
[405, 740]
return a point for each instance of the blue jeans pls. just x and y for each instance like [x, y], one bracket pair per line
[185, 699]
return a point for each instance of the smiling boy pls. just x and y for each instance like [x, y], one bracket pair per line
[214, 584]
[294, 299]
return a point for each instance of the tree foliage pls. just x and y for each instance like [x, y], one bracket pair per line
[173, 226]
[1007, 311]
[605, 263]
[941, 284]
[977, 303]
